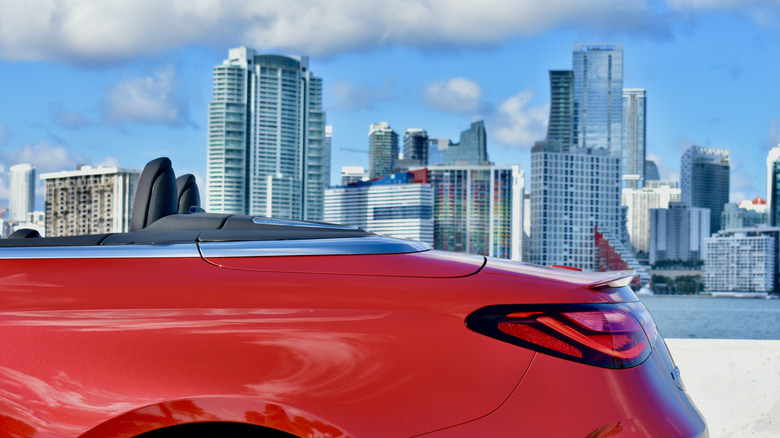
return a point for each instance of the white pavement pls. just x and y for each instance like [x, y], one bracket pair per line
[734, 383]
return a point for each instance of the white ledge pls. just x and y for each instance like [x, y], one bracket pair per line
[734, 383]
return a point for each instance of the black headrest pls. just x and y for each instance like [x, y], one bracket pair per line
[188, 194]
[156, 194]
[24, 233]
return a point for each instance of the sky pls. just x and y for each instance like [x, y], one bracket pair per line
[122, 82]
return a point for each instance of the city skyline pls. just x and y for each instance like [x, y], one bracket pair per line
[123, 104]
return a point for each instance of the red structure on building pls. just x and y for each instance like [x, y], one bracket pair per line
[607, 258]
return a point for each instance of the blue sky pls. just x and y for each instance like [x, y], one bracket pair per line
[124, 81]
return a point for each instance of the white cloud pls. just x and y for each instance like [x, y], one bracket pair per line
[45, 157]
[109, 162]
[84, 31]
[457, 95]
[516, 124]
[149, 99]
[763, 12]
[349, 96]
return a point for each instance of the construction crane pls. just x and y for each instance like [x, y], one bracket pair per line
[362, 151]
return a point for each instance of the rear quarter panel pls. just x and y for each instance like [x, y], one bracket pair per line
[85, 341]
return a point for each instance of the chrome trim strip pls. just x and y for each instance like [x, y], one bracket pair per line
[176, 250]
[307, 247]
[294, 223]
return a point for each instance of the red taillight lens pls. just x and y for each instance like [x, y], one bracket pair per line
[605, 335]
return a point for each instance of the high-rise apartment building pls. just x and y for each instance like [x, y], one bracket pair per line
[470, 150]
[267, 148]
[678, 232]
[742, 260]
[640, 202]
[773, 186]
[394, 205]
[89, 200]
[572, 194]
[416, 146]
[478, 209]
[634, 137]
[560, 127]
[382, 150]
[21, 197]
[704, 180]
[598, 96]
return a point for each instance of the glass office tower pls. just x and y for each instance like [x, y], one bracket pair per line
[416, 146]
[634, 137]
[561, 125]
[704, 180]
[471, 149]
[598, 96]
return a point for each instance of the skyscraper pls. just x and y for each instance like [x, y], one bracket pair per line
[267, 151]
[572, 194]
[634, 137]
[598, 96]
[21, 198]
[416, 146]
[704, 180]
[471, 149]
[478, 209]
[773, 187]
[382, 150]
[561, 124]
[576, 217]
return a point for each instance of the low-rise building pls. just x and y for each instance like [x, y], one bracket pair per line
[394, 205]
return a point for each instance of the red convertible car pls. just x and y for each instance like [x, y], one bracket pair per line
[215, 325]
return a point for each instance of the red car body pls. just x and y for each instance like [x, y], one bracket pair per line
[163, 332]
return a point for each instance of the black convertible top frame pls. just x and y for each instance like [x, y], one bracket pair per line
[201, 227]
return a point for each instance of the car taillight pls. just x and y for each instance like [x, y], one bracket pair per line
[604, 335]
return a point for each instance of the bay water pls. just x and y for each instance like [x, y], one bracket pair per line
[705, 317]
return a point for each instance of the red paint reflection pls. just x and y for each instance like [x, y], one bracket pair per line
[276, 417]
[13, 428]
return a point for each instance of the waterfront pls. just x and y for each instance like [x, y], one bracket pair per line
[704, 317]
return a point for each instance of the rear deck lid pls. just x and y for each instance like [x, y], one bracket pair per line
[273, 245]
